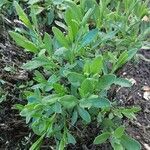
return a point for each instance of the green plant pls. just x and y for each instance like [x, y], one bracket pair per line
[75, 69]
[42, 13]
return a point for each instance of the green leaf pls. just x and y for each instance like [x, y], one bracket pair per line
[97, 65]
[84, 114]
[18, 106]
[123, 82]
[22, 16]
[61, 25]
[123, 58]
[36, 33]
[51, 99]
[106, 81]
[75, 78]
[48, 43]
[36, 10]
[59, 89]
[130, 143]
[2, 3]
[72, 24]
[86, 68]
[132, 53]
[62, 144]
[116, 146]
[75, 10]
[89, 37]
[60, 37]
[99, 117]
[41, 61]
[36, 145]
[87, 16]
[74, 117]
[23, 42]
[71, 139]
[39, 77]
[31, 2]
[50, 16]
[129, 113]
[63, 141]
[57, 107]
[61, 52]
[87, 86]
[68, 101]
[95, 102]
[145, 33]
[118, 133]
[102, 138]
[109, 36]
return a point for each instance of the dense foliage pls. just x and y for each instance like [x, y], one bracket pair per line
[75, 65]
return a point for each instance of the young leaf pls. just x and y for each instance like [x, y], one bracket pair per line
[57, 107]
[75, 78]
[59, 89]
[129, 113]
[62, 144]
[50, 100]
[23, 42]
[95, 102]
[106, 81]
[71, 139]
[68, 101]
[123, 82]
[129, 143]
[87, 86]
[97, 65]
[38, 62]
[75, 10]
[48, 43]
[102, 138]
[123, 58]
[37, 144]
[74, 117]
[87, 16]
[116, 146]
[63, 141]
[84, 114]
[22, 16]
[31, 2]
[18, 107]
[86, 68]
[132, 53]
[118, 133]
[60, 37]
[72, 24]
[39, 77]
[89, 37]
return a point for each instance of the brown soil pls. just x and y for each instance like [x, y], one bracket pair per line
[12, 127]
[139, 129]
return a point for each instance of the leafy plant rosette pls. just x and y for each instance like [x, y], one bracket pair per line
[75, 69]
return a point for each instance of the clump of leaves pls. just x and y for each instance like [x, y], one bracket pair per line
[77, 68]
